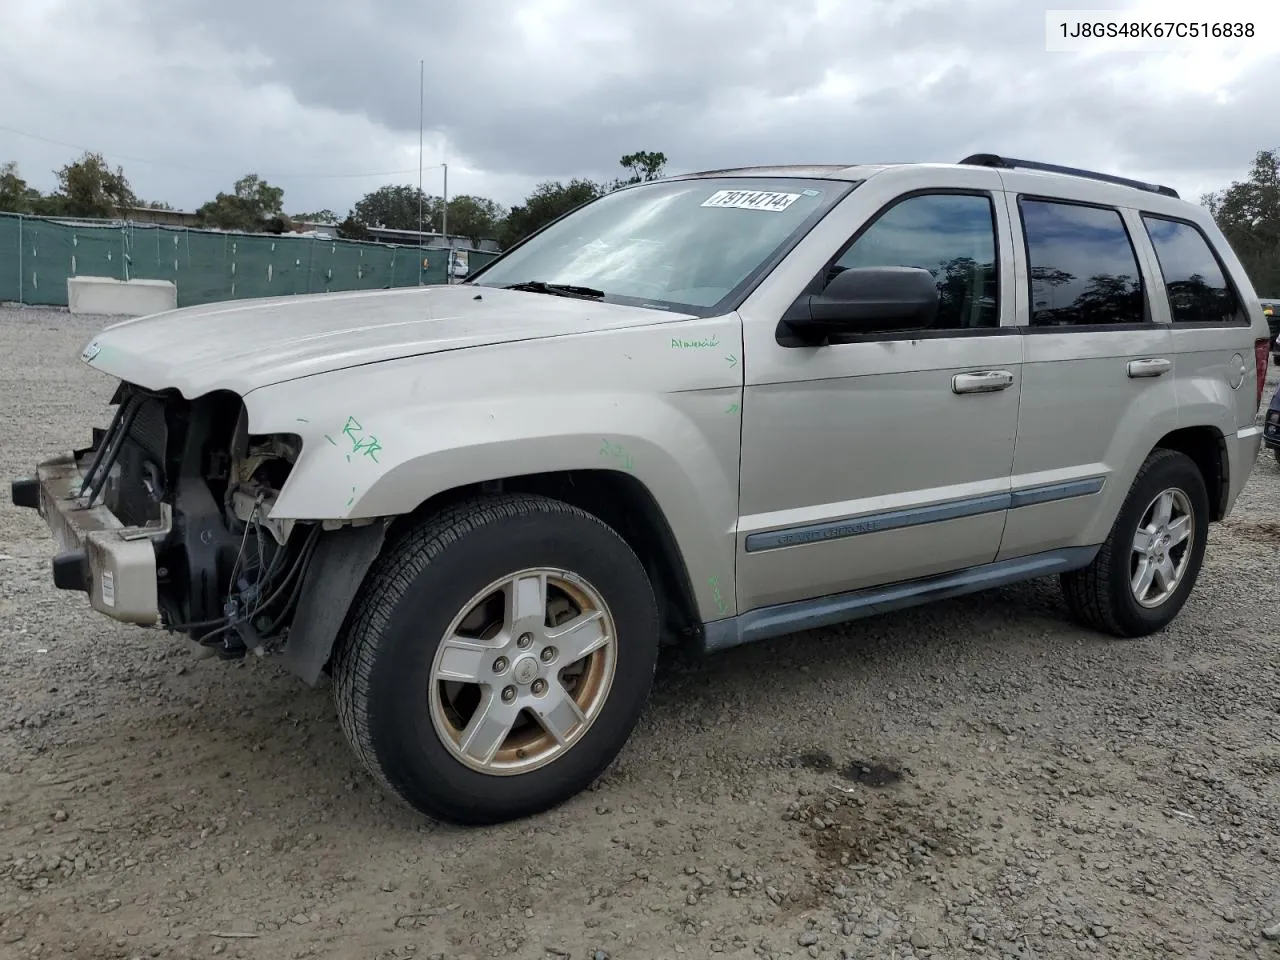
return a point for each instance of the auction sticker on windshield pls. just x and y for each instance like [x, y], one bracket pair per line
[751, 200]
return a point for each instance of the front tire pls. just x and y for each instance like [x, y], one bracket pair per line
[498, 658]
[1148, 565]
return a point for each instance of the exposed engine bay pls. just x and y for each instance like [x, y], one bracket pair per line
[227, 575]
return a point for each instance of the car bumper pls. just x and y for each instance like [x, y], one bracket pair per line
[1242, 456]
[1270, 433]
[98, 555]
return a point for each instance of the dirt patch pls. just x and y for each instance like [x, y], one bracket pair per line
[1259, 531]
[876, 829]
[818, 761]
[870, 774]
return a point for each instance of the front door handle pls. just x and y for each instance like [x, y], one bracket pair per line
[982, 381]
[1151, 367]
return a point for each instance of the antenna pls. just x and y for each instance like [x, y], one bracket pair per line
[421, 98]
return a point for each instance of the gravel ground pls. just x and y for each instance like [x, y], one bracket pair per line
[974, 778]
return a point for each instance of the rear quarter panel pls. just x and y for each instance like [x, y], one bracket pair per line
[1208, 358]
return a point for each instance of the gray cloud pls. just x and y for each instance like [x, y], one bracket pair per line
[559, 88]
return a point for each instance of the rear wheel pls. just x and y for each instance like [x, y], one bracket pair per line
[498, 658]
[1149, 563]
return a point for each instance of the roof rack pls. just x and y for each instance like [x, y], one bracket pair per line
[1009, 163]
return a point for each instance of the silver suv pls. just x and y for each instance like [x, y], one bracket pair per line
[719, 408]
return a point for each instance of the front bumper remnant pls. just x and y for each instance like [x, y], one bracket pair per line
[98, 555]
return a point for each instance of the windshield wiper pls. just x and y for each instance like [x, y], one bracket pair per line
[556, 289]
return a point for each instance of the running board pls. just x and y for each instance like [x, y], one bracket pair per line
[784, 618]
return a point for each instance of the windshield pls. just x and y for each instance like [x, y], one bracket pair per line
[687, 245]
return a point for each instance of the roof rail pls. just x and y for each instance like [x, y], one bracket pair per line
[1009, 163]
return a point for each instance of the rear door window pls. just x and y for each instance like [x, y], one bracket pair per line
[1082, 265]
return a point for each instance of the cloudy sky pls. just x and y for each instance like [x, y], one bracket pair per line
[321, 96]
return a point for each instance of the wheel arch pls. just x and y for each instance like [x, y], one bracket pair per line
[345, 556]
[1207, 448]
[1103, 596]
[624, 503]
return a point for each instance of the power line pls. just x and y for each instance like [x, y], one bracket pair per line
[183, 166]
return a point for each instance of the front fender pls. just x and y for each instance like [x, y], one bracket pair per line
[380, 440]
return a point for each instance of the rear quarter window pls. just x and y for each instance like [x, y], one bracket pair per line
[1194, 280]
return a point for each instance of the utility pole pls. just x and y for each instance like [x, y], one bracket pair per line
[421, 91]
[444, 227]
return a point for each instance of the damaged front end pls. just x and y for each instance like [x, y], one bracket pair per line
[165, 520]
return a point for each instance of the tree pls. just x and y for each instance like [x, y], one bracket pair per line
[548, 201]
[253, 203]
[1248, 214]
[475, 218]
[320, 216]
[280, 223]
[15, 195]
[49, 204]
[394, 207]
[90, 188]
[352, 229]
[642, 166]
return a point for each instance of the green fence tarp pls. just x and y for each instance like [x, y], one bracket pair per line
[37, 255]
[10, 259]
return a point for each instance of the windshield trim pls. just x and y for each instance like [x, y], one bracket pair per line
[735, 297]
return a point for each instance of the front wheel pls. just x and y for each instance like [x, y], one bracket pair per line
[498, 658]
[1148, 565]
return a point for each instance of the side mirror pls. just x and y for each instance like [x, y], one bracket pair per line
[869, 300]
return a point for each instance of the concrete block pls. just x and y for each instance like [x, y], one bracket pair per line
[120, 298]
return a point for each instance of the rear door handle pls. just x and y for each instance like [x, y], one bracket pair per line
[1151, 367]
[982, 381]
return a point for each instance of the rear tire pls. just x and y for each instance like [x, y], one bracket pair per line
[1129, 593]
[454, 679]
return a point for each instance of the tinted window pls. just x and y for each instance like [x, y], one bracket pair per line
[950, 235]
[1198, 290]
[1082, 265]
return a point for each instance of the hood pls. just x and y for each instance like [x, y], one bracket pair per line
[245, 344]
